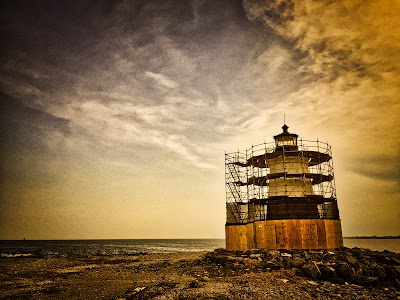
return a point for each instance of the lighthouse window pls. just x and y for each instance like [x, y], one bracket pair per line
[286, 141]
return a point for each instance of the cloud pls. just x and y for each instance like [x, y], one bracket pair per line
[129, 124]
[383, 167]
[348, 55]
[175, 83]
[345, 37]
[140, 78]
[162, 80]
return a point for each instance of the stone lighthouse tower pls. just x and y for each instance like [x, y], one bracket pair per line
[281, 195]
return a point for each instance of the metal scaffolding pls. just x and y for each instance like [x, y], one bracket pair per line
[270, 182]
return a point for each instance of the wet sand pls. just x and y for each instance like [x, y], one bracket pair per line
[165, 276]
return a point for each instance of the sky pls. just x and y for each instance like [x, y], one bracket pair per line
[115, 115]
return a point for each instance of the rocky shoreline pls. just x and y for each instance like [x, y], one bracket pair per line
[258, 274]
[359, 266]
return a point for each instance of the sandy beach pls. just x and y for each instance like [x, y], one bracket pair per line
[186, 275]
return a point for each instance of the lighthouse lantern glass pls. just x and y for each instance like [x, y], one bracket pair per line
[286, 140]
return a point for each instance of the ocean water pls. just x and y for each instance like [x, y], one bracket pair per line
[132, 247]
[392, 245]
[106, 247]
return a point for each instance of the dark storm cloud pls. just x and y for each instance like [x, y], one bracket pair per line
[383, 167]
[153, 64]
[69, 41]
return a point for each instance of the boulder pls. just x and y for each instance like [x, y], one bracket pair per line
[381, 272]
[285, 254]
[252, 262]
[298, 262]
[365, 280]
[344, 270]
[272, 253]
[350, 259]
[395, 261]
[311, 270]
[392, 272]
[327, 271]
[368, 271]
[271, 264]
[287, 262]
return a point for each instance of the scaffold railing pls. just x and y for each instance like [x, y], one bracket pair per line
[254, 182]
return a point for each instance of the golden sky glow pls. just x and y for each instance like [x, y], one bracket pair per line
[115, 118]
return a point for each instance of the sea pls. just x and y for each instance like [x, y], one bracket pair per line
[13, 248]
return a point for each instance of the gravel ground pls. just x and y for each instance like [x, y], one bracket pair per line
[164, 276]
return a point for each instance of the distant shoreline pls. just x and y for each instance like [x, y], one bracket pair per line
[389, 237]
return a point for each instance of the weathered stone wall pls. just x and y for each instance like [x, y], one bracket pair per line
[285, 234]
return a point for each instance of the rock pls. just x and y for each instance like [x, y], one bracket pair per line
[367, 271]
[329, 256]
[371, 262]
[315, 255]
[397, 283]
[396, 270]
[272, 253]
[297, 262]
[271, 265]
[255, 255]
[287, 262]
[344, 270]
[350, 259]
[389, 283]
[327, 271]
[298, 271]
[395, 261]
[234, 258]
[194, 284]
[136, 291]
[286, 254]
[204, 279]
[391, 272]
[285, 280]
[365, 280]
[339, 256]
[336, 280]
[312, 282]
[311, 270]
[381, 272]
[357, 253]
[216, 258]
[252, 262]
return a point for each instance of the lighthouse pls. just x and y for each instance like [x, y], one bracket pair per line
[282, 195]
